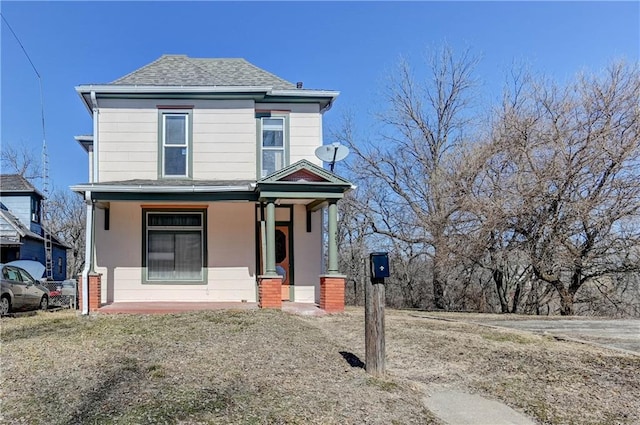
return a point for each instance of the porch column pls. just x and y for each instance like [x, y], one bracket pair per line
[270, 266]
[332, 284]
[270, 284]
[88, 262]
[333, 238]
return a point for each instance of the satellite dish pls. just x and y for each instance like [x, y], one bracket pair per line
[332, 153]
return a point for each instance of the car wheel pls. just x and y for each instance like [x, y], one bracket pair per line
[44, 303]
[5, 305]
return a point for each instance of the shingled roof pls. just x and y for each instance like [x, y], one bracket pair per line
[16, 183]
[181, 70]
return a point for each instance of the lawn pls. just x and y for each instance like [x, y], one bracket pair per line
[262, 366]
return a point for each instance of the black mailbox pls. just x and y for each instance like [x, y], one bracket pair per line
[379, 265]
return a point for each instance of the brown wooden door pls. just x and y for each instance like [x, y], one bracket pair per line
[283, 265]
[283, 258]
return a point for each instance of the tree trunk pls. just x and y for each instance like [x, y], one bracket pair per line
[566, 302]
[498, 278]
[516, 297]
[438, 290]
[438, 283]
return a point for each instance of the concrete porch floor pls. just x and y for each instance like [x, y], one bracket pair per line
[304, 309]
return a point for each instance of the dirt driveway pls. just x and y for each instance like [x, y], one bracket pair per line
[619, 333]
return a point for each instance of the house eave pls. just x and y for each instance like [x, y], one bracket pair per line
[7, 242]
[86, 142]
[158, 189]
[257, 93]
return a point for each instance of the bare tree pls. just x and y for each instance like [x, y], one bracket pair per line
[20, 160]
[568, 162]
[411, 161]
[538, 214]
[67, 222]
[353, 239]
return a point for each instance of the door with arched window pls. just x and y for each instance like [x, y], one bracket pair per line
[283, 256]
[283, 263]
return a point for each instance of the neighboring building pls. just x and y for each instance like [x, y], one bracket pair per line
[21, 231]
[204, 186]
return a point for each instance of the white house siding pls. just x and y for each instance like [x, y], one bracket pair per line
[224, 139]
[232, 252]
[307, 251]
[19, 206]
[305, 127]
[127, 140]
[230, 247]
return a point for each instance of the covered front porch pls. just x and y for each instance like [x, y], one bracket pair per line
[247, 233]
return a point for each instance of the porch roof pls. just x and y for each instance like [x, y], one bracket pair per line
[302, 182]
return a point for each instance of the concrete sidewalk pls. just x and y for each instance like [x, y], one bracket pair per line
[459, 408]
[620, 334]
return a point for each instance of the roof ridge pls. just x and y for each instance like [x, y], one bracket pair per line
[138, 69]
[267, 72]
[257, 68]
[216, 59]
[193, 62]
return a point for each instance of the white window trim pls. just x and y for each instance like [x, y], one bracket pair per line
[282, 149]
[186, 145]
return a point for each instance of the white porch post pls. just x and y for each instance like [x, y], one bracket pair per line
[88, 254]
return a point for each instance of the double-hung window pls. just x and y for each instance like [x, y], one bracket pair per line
[174, 249]
[272, 145]
[175, 144]
[35, 210]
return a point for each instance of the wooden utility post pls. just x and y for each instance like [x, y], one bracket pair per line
[374, 302]
[374, 327]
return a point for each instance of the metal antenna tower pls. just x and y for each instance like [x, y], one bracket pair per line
[44, 211]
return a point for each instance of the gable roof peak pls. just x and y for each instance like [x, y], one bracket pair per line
[308, 169]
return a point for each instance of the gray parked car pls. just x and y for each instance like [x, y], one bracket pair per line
[20, 291]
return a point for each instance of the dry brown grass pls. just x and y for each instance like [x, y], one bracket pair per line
[554, 382]
[270, 367]
[239, 367]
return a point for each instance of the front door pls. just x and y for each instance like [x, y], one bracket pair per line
[284, 259]
[283, 264]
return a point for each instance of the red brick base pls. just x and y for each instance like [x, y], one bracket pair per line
[270, 292]
[95, 292]
[332, 293]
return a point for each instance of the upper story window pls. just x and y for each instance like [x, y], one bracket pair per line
[35, 210]
[273, 144]
[175, 143]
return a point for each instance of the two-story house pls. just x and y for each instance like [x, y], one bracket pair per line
[204, 187]
[21, 227]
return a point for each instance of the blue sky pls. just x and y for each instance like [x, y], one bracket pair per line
[345, 46]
